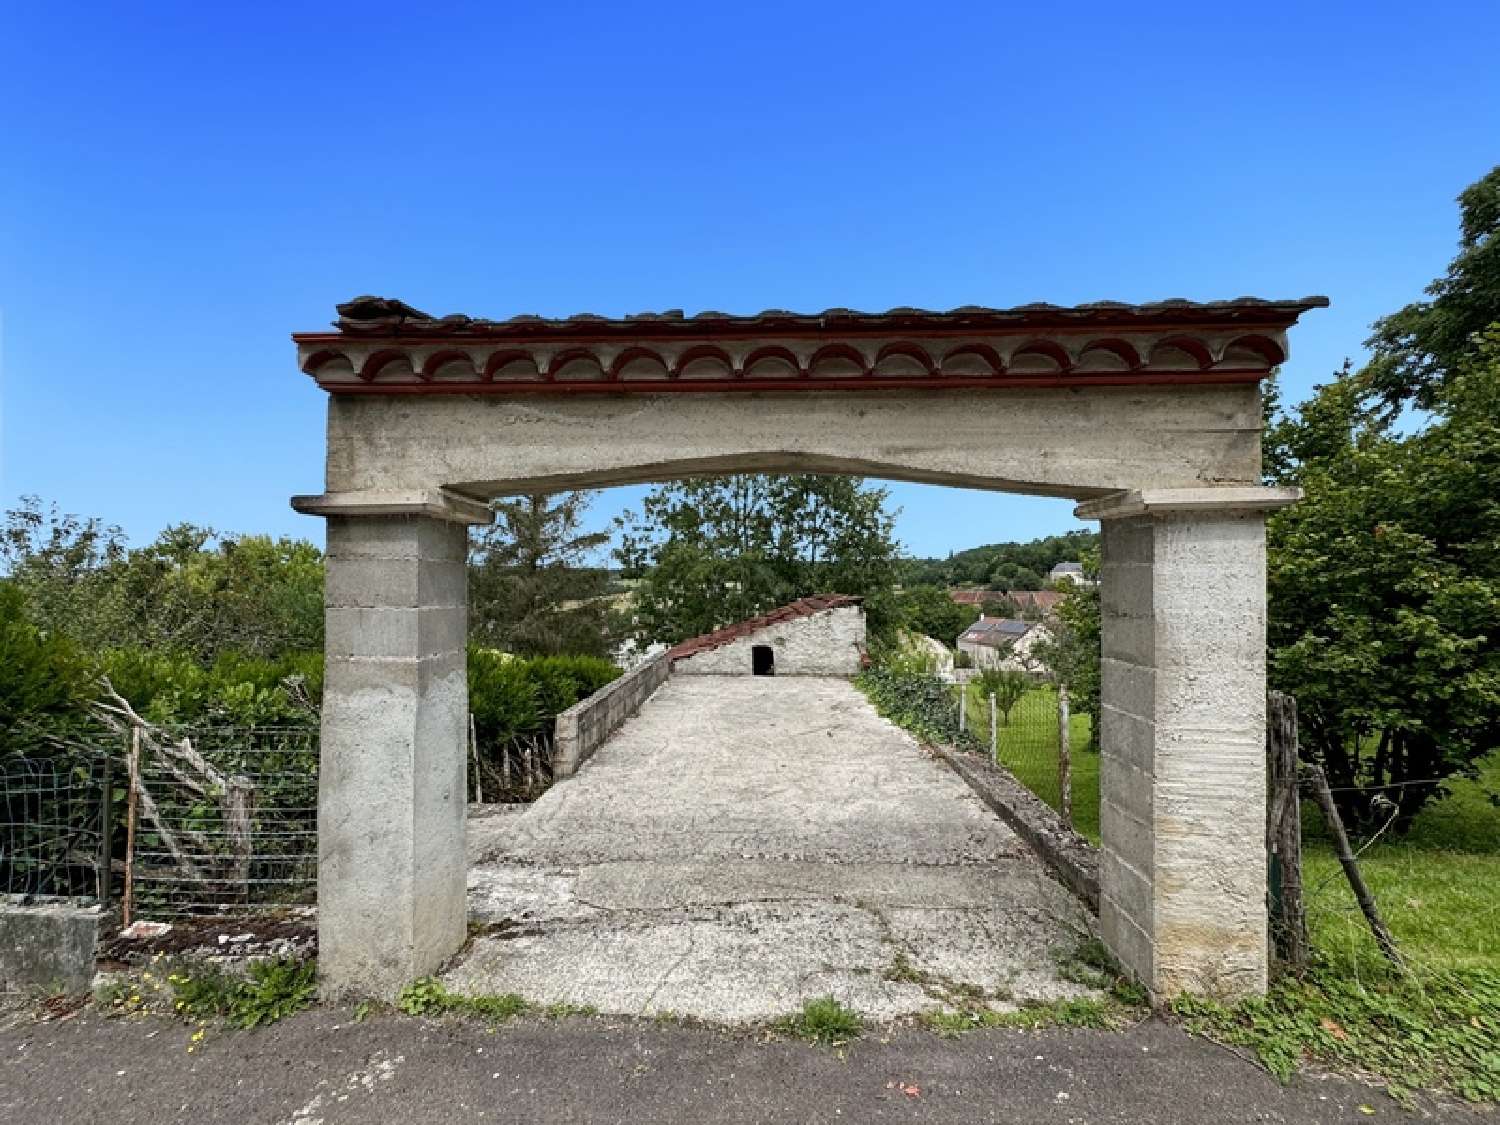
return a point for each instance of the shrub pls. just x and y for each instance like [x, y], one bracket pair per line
[920, 703]
[42, 677]
[511, 696]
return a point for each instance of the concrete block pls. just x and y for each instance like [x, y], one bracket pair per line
[47, 947]
[392, 867]
[1182, 768]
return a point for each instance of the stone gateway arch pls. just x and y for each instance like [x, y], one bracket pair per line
[1149, 416]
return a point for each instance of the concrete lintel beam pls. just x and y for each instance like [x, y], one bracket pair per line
[1175, 501]
[433, 503]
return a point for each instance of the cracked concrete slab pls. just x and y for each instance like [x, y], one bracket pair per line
[744, 844]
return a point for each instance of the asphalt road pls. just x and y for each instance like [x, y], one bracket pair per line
[322, 1068]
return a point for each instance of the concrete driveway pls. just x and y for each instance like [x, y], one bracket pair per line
[744, 844]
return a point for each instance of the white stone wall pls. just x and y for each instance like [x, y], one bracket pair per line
[829, 643]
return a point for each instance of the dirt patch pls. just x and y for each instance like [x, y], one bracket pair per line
[245, 936]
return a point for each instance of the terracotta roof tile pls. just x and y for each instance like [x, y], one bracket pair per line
[380, 316]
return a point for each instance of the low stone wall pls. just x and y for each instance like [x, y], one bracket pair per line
[583, 727]
[47, 947]
[1070, 857]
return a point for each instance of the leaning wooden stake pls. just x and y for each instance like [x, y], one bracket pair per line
[1064, 757]
[1351, 867]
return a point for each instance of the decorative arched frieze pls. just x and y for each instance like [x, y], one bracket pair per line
[384, 346]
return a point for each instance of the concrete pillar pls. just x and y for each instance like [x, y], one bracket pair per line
[391, 795]
[1182, 774]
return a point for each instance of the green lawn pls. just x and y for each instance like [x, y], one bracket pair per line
[1029, 746]
[1439, 888]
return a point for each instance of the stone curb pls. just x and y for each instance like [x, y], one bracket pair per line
[1070, 857]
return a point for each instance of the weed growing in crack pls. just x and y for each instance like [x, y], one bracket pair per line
[429, 997]
[269, 991]
[823, 1020]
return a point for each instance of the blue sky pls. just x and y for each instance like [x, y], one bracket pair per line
[182, 185]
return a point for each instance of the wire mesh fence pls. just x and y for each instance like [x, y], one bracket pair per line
[221, 820]
[1023, 731]
[55, 824]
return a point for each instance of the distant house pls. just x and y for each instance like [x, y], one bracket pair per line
[1042, 601]
[822, 635]
[1068, 572]
[1003, 642]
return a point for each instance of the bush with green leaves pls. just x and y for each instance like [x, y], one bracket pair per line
[43, 678]
[270, 990]
[234, 689]
[512, 696]
[916, 701]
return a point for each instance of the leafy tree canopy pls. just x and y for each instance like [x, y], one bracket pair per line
[1385, 580]
[710, 552]
[929, 610]
[192, 590]
[1419, 348]
[1005, 566]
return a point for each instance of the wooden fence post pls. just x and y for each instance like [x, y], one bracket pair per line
[1284, 832]
[106, 832]
[994, 733]
[132, 803]
[963, 706]
[1064, 757]
[474, 757]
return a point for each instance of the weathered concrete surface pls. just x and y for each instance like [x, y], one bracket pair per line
[582, 728]
[744, 844]
[391, 796]
[47, 947]
[1074, 442]
[830, 642]
[1182, 772]
[325, 1066]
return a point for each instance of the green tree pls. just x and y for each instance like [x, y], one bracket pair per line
[1419, 348]
[192, 590]
[1072, 654]
[930, 610]
[709, 552]
[1385, 588]
[532, 588]
[1385, 580]
[1015, 576]
[1007, 685]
